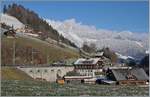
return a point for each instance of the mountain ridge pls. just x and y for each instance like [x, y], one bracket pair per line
[127, 43]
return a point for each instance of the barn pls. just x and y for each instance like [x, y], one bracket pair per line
[128, 76]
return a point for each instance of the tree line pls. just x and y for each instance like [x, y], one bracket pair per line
[30, 18]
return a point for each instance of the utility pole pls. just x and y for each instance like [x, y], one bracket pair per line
[14, 51]
[32, 62]
[47, 58]
[32, 56]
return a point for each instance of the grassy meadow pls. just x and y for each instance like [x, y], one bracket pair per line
[39, 88]
[42, 52]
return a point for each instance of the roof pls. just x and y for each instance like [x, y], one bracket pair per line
[119, 67]
[82, 61]
[121, 74]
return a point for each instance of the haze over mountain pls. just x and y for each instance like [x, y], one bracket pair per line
[125, 42]
[69, 32]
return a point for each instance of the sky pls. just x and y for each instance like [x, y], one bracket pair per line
[110, 15]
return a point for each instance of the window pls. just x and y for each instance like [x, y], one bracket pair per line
[31, 71]
[59, 72]
[45, 71]
[52, 70]
[38, 70]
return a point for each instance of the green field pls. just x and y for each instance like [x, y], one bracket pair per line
[34, 88]
[12, 73]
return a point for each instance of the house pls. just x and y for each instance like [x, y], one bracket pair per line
[90, 66]
[127, 75]
[10, 33]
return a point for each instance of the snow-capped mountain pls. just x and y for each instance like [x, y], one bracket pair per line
[147, 52]
[123, 57]
[10, 20]
[126, 43]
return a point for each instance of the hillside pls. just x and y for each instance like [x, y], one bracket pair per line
[28, 49]
[32, 20]
[12, 73]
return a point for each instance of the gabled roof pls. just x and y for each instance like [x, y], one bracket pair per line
[82, 61]
[121, 74]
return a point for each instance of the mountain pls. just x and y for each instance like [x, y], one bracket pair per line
[25, 47]
[75, 33]
[108, 53]
[127, 60]
[145, 63]
[32, 20]
[123, 57]
[126, 43]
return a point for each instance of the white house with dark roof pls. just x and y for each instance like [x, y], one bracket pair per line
[89, 67]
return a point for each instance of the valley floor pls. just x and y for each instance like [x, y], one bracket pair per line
[34, 88]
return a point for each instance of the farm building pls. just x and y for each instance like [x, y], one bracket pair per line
[91, 66]
[10, 33]
[128, 76]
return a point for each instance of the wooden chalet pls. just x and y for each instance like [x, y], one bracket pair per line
[90, 66]
[10, 33]
[128, 76]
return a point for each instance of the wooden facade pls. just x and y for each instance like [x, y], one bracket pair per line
[93, 63]
[98, 65]
[132, 82]
[88, 67]
[124, 76]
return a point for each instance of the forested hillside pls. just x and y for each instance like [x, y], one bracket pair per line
[31, 19]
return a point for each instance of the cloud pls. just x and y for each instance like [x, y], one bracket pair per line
[123, 42]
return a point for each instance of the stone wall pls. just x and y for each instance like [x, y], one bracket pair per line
[47, 73]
